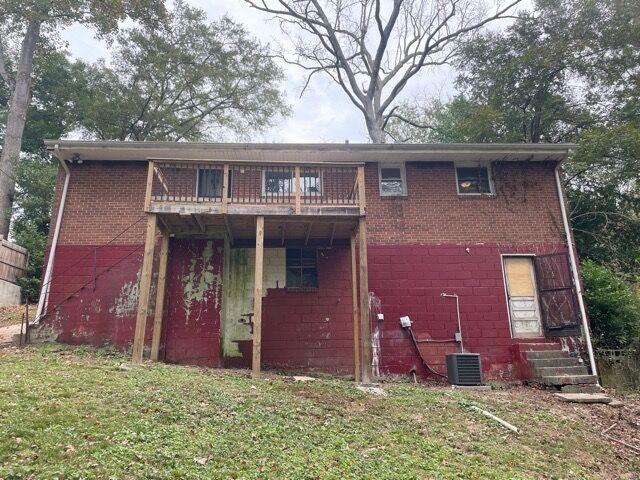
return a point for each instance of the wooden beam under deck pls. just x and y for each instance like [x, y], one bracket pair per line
[356, 318]
[365, 324]
[159, 307]
[257, 299]
[145, 288]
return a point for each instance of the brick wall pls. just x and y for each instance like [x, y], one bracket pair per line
[103, 199]
[409, 280]
[524, 209]
[312, 330]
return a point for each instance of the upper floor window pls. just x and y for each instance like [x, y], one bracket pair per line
[209, 184]
[393, 179]
[473, 179]
[282, 182]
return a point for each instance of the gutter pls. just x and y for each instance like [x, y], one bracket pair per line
[574, 270]
[43, 301]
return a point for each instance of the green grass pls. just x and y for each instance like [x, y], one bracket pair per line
[74, 413]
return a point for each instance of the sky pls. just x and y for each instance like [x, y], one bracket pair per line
[322, 114]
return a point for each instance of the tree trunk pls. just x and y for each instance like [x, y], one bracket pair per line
[374, 127]
[16, 118]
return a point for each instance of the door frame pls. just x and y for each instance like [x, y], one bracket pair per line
[535, 289]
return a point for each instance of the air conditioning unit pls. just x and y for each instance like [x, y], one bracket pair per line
[464, 369]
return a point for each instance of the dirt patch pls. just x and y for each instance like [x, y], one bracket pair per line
[12, 314]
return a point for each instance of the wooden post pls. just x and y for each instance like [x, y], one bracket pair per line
[225, 188]
[257, 299]
[356, 318]
[298, 190]
[147, 197]
[162, 277]
[145, 287]
[362, 201]
[365, 327]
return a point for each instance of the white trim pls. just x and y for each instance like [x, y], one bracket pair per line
[475, 164]
[535, 289]
[574, 268]
[43, 301]
[403, 178]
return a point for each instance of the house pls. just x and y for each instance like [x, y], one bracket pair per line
[306, 256]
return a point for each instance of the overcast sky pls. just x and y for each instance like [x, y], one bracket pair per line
[323, 114]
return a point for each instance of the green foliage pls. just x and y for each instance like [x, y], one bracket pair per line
[614, 308]
[36, 177]
[77, 414]
[188, 79]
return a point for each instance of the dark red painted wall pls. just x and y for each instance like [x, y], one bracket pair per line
[93, 295]
[103, 312]
[409, 280]
[312, 329]
[191, 333]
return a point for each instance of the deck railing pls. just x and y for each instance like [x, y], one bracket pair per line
[298, 186]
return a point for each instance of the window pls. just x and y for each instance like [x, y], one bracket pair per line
[302, 268]
[392, 180]
[277, 182]
[473, 179]
[210, 183]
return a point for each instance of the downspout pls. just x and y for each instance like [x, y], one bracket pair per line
[46, 284]
[574, 270]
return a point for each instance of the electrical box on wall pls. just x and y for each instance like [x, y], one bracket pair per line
[405, 322]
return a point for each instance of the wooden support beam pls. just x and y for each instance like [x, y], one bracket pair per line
[298, 192]
[198, 221]
[145, 288]
[227, 226]
[308, 235]
[225, 187]
[365, 327]
[147, 196]
[257, 299]
[333, 233]
[162, 277]
[356, 318]
[284, 229]
[362, 201]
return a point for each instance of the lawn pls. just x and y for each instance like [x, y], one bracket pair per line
[78, 413]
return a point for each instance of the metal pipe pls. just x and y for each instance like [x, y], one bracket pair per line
[574, 271]
[43, 301]
[455, 295]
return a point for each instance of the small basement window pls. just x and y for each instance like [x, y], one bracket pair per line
[474, 180]
[302, 268]
[393, 180]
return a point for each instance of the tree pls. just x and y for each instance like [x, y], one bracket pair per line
[25, 22]
[36, 179]
[188, 79]
[372, 52]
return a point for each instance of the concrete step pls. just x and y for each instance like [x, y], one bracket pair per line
[559, 380]
[558, 371]
[584, 388]
[556, 362]
[531, 354]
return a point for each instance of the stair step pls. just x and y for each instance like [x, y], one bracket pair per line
[560, 380]
[555, 362]
[531, 354]
[558, 371]
[584, 388]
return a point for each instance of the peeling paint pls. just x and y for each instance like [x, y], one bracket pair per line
[238, 293]
[126, 302]
[201, 281]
